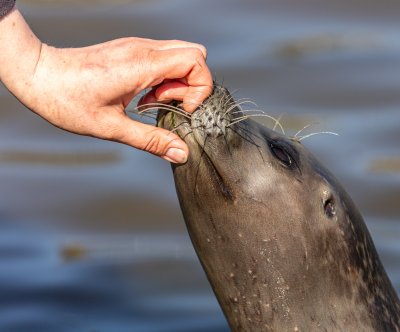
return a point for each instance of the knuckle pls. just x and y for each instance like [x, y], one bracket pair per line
[153, 143]
[157, 143]
[203, 50]
[196, 58]
[197, 52]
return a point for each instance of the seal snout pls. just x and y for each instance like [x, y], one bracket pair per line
[210, 120]
[213, 117]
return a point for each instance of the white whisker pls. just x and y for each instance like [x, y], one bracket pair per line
[321, 132]
[305, 127]
[267, 116]
[159, 106]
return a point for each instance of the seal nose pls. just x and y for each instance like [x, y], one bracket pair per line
[214, 115]
[211, 120]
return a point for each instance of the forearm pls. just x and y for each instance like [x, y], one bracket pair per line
[19, 54]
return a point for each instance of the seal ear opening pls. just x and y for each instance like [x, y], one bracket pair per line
[330, 207]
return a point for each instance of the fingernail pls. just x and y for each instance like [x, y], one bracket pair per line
[176, 155]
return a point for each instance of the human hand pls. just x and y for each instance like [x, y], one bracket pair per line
[86, 90]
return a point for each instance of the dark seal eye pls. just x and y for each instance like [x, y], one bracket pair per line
[329, 207]
[282, 155]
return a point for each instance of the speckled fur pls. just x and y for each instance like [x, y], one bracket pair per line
[275, 260]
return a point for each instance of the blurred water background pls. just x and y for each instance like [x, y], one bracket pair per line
[91, 235]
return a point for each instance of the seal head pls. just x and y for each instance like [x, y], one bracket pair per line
[282, 244]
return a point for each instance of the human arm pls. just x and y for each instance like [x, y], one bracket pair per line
[86, 90]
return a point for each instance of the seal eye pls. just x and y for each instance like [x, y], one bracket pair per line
[282, 155]
[329, 207]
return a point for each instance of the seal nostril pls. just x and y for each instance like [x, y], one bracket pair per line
[212, 119]
[330, 208]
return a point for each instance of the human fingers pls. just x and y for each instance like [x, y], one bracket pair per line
[164, 93]
[157, 141]
[169, 90]
[171, 44]
[189, 67]
[148, 98]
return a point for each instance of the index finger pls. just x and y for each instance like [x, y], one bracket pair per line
[186, 65]
[171, 44]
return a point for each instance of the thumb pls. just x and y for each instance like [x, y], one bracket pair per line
[157, 141]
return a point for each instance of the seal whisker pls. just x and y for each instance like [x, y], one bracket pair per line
[152, 112]
[259, 115]
[146, 110]
[250, 133]
[197, 127]
[154, 107]
[276, 123]
[246, 111]
[231, 108]
[187, 134]
[149, 112]
[246, 101]
[153, 117]
[230, 98]
[228, 101]
[242, 101]
[305, 127]
[220, 102]
[167, 109]
[301, 130]
[318, 133]
[237, 104]
[246, 133]
[178, 126]
[250, 139]
[242, 118]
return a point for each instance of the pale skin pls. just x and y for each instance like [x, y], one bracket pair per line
[86, 90]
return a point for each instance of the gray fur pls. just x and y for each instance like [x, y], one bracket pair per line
[274, 257]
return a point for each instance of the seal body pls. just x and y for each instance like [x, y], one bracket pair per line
[282, 244]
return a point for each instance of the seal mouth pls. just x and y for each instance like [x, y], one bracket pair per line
[225, 189]
[176, 123]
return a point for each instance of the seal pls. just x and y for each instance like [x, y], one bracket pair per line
[282, 243]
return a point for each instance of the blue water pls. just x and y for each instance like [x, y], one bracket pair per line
[91, 236]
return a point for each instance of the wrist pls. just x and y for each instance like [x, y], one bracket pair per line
[19, 54]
